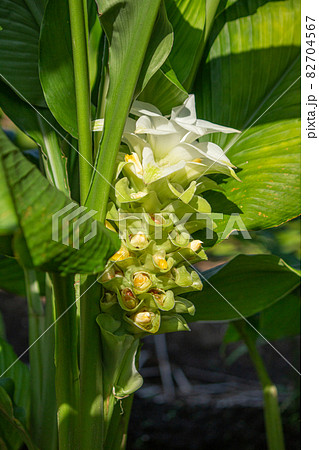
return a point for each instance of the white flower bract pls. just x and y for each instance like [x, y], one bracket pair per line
[168, 148]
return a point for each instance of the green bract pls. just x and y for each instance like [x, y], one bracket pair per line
[155, 208]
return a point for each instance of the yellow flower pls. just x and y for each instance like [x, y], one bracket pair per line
[121, 254]
[141, 281]
[139, 240]
[143, 318]
[133, 158]
[160, 261]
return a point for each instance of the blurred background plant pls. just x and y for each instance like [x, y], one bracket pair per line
[19, 138]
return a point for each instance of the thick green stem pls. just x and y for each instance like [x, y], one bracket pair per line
[91, 399]
[117, 435]
[78, 19]
[43, 363]
[91, 386]
[109, 404]
[36, 328]
[275, 437]
[49, 419]
[119, 97]
[67, 373]
[103, 87]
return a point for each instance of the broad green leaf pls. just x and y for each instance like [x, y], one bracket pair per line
[95, 45]
[36, 9]
[8, 217]
[283, 319]
[20, 21]
[6, 244]
[158, 49]
[164, 90]
[11, 276]
[279, 321]
[40, 125]
[242, 287]
[188, 20]
[19, 373]
[23, 114]
[36, 201]
[56, 64]
[12, 431]
[249, 80]
[247, 40]
[56, 60]
[9, 436]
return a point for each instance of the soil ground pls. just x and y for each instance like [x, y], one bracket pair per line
[200, 402]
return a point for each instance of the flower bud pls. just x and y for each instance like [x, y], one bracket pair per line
[118, 272]
[160, 261]
[139, 240]
[165, 300]
[107, 301]
[109, 297]
[180, 239]
[142, 281]
[195, 245]
[158, 295]
[129, 299]
[157, 219]
[121, 254]
[143, 318]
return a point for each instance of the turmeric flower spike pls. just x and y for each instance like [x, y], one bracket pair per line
[156, 186]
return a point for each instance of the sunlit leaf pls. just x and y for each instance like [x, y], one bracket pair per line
[36, 201]
[243, 287]
[249, 80]
[164, 90]
[158, 49]
[188, 20]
